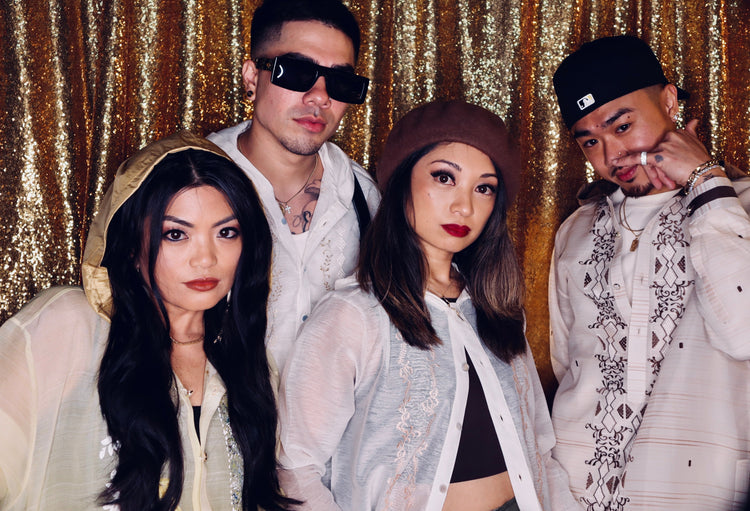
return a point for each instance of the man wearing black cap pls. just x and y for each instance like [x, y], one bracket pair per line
[649, 297]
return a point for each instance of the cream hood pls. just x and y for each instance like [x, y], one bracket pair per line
[128, 179]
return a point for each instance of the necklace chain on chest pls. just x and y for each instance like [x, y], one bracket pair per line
[284, 204]
[624, 222]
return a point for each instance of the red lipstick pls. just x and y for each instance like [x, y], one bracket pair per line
[202, 284]
[456, 230]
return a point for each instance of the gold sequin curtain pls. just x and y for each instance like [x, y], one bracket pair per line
[87, 82]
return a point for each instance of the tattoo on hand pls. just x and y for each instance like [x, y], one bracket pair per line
[659, 158]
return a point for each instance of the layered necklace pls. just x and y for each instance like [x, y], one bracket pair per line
[284, 204]
[624, 222]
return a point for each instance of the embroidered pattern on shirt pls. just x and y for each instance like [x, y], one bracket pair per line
[614, 421]
[417, 410]
[524, 389]
[325, 265]
[236, 467]
[109, 450]
[671, 284]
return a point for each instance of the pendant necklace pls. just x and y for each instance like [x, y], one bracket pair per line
[449, 302]
[624, 222]
[284, 204]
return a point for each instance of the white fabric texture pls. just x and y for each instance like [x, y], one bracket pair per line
[55, 451]
[299, 281]
[653, 408]
[371, 423]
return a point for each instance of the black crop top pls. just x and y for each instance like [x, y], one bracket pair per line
[197, 420]
[479, 453]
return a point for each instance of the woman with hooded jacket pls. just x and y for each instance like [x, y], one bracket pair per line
[149, 388]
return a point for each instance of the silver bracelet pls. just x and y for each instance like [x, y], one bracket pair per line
[698, 172]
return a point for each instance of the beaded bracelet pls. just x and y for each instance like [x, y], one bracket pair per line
[698, 172]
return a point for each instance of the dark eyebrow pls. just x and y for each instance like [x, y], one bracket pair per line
[609, 122]
[188, 224]
[458, 168]
[299, 56]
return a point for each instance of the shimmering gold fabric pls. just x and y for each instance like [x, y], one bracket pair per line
[87, 83]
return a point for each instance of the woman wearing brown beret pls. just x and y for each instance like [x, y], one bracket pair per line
[412, 386]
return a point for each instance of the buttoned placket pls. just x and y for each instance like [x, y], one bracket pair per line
[212, 393]
[464, 339]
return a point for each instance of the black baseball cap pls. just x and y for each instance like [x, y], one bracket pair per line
[603, 70]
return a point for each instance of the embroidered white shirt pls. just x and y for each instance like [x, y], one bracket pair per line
[298, 281]
[371, 423]
[55, 451]
[653, 408]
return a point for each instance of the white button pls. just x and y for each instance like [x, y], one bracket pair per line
[443, 488]
[617, 286]
[465, 367]
[458, 425]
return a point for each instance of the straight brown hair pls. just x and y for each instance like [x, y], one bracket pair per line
[393, 267]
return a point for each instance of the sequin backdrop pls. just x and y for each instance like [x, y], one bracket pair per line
[85, 83]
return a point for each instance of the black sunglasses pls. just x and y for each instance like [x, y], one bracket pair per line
[300, 76]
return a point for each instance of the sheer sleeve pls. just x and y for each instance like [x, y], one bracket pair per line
[45, 351]
[336, 351]
[17, 408]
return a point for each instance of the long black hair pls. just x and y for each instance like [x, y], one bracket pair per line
[136, 383]
[393, 266]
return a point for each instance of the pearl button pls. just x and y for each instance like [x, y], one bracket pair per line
[465, 367]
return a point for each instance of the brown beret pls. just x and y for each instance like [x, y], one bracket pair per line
[452, 121]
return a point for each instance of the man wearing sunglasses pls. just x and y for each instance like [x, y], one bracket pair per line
[317, 200]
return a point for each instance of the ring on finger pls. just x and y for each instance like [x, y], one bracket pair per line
[644, 159]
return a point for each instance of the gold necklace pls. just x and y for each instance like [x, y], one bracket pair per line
[284, 204]
[624, 222]
[445, 291]
[185, 343]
